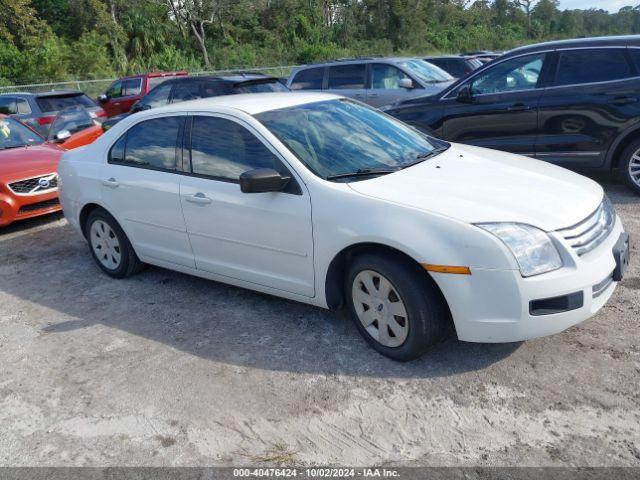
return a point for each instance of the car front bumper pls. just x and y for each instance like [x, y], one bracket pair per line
[14, 207]
[495, 306]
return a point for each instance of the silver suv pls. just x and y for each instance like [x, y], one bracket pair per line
[376, 81]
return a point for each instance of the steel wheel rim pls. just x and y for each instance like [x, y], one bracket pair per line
[105, 245]
[380, 308]
[634, 167]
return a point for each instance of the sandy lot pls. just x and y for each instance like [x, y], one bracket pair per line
[166, 369]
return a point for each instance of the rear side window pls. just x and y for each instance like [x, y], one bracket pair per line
[347, 76]
[60, 102]
[8, 105]
[149, 144]
[224, 149]
[592, 65]
[309, 79]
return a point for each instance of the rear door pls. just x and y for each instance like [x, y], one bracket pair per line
[308, 79]
[502, 112]
[594, 95]
[348, 80]
[141, 184]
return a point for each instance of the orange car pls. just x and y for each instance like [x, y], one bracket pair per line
[28, 179]
[74, 127]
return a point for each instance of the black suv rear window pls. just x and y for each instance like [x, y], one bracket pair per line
[592, 65]
[53, 103]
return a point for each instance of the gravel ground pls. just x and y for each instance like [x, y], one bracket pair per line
[166, 369]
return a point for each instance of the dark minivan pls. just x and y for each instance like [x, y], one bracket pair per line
[575, 103]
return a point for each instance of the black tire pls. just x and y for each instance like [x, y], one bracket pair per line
[623, 166]
[428, 317]
[129, 263]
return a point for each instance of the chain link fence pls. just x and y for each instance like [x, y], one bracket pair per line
[93, 88]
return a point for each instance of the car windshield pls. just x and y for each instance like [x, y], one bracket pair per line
[13, 134]
[341, 138]
[73, 119]
[426, 72]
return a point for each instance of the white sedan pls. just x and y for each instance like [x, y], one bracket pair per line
[321, 199]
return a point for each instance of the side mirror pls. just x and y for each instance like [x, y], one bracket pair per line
[406, 83]
[102, 98]
[61, 136]
[465, 95]
[262, 180]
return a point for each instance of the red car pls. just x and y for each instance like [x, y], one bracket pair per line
[123, 93]
[28, 179]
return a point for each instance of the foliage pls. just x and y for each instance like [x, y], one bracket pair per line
[54, 40]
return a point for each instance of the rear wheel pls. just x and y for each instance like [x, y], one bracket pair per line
[109, 246]
[395, 305]
[630, 166]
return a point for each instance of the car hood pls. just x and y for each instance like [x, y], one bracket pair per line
[19, 163]
[475, 185]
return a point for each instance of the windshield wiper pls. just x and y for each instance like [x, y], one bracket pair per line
[361, 172]
[421, 157]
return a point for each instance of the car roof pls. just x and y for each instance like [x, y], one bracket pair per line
[50, 93]
[156, 74]
[611, 41]
[235, 78]
[347, 61]
[251, 103]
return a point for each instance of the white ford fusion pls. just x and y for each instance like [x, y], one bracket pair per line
[323, 200]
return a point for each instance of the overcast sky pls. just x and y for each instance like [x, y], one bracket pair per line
[611, 5]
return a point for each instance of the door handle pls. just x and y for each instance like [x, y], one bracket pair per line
[374, 95]
[519, 107]
[359, 95]
[111, 182]
[624, 100]
[199, 198]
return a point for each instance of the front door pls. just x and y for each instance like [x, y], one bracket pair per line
[260, 238]
[385, 86]
[141, 184]
[502, 110]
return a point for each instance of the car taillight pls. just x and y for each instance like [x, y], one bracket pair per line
[46, 120]
[101, 113]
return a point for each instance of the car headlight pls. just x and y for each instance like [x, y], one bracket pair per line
[533, 249]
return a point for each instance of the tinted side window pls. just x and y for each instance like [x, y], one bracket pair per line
[116, 154]
[23, 106]
[8, 105]
[115, 90]
[151, 144]
[309, 79]
[593, 65]
[132, 86]
[347, 76]
[157, 97]
[386, 76]
[224, 149]
[515, 74]
[183, 91]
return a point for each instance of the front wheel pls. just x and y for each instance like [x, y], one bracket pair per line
[630, 166]
[396, 307]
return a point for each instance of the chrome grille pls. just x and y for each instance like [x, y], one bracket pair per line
[592, 231]
[34, 185]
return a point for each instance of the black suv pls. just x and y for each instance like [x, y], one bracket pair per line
[575, 103]
[181, 89]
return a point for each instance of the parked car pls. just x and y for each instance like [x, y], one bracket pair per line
[191, 88]
[376, 81]
[324, 200]
[74, 127]
[28, 179]
[38, 110]
[455, 65]
[123, 93]
[575, 103]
